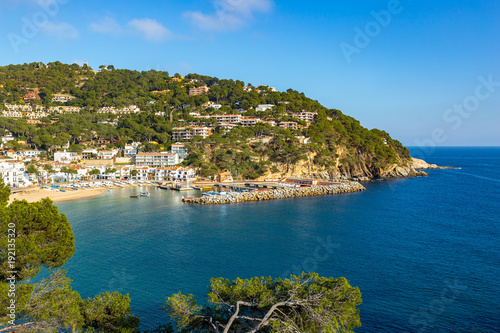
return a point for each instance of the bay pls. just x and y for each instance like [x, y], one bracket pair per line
[423, 251]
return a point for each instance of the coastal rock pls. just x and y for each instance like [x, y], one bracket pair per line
[421, 164]
[360, 169]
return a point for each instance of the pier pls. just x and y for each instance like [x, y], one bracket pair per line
[277, 193]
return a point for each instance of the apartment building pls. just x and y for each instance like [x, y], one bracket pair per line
[227, 118]
[249, 122]
[198, 91]
[21, 108]
[289, 125]
[65, 109]
[187, 133]
[179, 149]
[156, 159]
[305, 115]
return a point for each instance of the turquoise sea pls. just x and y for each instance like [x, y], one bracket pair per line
[425, 252]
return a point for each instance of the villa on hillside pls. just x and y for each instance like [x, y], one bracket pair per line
[62, 98]
[31, 97]
[264, 107]
[305, 115]
[198, 91]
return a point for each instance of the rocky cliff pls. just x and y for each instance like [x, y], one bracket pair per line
[363, 169]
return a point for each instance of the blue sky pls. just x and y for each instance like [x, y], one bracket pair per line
[424, 71]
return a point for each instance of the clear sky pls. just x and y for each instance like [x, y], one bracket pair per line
[427, 72]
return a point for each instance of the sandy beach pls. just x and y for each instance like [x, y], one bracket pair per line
[35, 194]
[56, 196]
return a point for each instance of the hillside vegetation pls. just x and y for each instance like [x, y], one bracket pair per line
[338, 145]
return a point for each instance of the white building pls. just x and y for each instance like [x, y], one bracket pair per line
[264, 107]
[179, 149]
[22, 108]
[30, 153]
[107, 109]
[36, 115]
[12, 173]
[89, 154]
[65, 157]
[65, 109]
[6, 138]
[143, 173]
[107, 154]
[156, 159]
[183, 174]
[128, 109]
[12, 114]
[130, 151]
[62, 98]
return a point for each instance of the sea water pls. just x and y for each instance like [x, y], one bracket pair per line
[424, 251]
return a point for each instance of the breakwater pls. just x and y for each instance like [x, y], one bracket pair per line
[235, 197]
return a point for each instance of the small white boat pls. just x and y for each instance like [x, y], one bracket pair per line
[145, 194]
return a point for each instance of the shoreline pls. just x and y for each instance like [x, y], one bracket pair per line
[36, 194]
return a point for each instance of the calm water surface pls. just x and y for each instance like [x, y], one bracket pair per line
[424, 251]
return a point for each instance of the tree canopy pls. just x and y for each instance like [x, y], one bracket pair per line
[306, 303]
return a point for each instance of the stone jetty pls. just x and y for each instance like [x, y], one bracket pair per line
[262, 195]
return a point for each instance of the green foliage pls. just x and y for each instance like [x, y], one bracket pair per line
[68, 170]
[53, 304]
[43, 238]
[110, 170]
[77, 148]
[306, 303]
[4, 193]
[32, 169]
[109, 312]
[48, 168]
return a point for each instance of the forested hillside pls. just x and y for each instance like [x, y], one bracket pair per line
[335, 144]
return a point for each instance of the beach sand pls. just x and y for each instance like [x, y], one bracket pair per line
[36, 194]
[56, 196]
